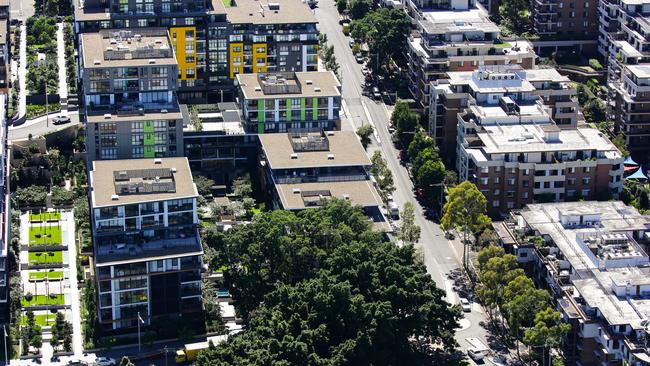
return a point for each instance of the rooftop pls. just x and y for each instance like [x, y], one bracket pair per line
[310, 150]
[120, 182]
[306, 195]
[114, 48]
[133, 117]
[640, 71]
[267, 12]
[455, 21]
[289, 84]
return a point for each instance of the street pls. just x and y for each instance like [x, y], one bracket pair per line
[442, 257]
[40, 126]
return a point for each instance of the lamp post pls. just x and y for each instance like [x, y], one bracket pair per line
[4, 331]
[139, 321]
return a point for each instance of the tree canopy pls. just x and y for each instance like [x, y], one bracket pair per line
[385, 30]
[406, 122]
[465, 209]
[321, 288]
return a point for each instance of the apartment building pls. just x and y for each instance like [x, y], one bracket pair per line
[486, 86]
[516, 154]
[279, 102]
[630, 104]
[301, 169]
[565, 20]
[456, 36]
[129, 94]
[591, 259]
[5, 212]
[147, 249]
[215, 40]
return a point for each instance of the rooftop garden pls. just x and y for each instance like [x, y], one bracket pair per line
[45, 235]
[42, 275]
[41, 300]
[45, 216]
[38, 258]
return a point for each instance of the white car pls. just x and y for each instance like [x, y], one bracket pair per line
[465, 304]
[105, 361]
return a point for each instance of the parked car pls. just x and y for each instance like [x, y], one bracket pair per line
[105, 361]
[351, 42]
[375, 93]
[364, 69]
[77, 363]
[359, 58]
[59, 120]
[465, 304]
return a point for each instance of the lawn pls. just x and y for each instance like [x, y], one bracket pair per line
[40, 276]
[44, 320]
[45, 234]
[503, 45]
[45, 257]
[227, 3]
[45, 216]
[44, 300]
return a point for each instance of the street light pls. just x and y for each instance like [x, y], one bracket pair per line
[4, 331]
[140, 320]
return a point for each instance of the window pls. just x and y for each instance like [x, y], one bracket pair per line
[485, 169]
[586, 169]
[484, 181]
[510, 204]
[586, 180]
[524, 195]
[571, 181]
[496, 203]
[585, 192]
[497, 192]
[511, 181]
[525, 183]
[108, 153]
[496, 180]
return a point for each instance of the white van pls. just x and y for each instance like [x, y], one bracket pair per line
[393, 209]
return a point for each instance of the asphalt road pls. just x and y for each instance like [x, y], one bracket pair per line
[441, 257]
[41, 127]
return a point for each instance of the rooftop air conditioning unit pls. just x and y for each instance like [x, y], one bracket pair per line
[330, 156]
[296, 190]
[257, 88]
[109, 48]
[114, 197]
[173, 170]
[309, 82]
[317, 89]
[163, 111]
[152, 60]
[294, 156]
[107, 116]
[157, 161]
[96, 62]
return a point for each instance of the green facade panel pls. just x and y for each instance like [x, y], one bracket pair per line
[260, 116]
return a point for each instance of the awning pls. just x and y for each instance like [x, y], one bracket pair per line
[629, 161]
[637, 175]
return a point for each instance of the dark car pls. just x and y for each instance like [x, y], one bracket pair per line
[77, 363]
[59, 120]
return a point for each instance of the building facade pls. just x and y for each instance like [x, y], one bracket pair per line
[486, 86]
[147, 247]
[279, 102]
[5, 213]
[565, 20]
[590, 256]
[129, 95]
[456, 36]
[516, 154]
[215, 40]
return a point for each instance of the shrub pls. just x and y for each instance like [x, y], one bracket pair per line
[595, 64]
[31, 196]
[61, 196]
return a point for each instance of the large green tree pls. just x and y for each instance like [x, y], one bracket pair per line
[547, 332]
[321, 288]
[406, 122]
[384, 30]
[383, 176]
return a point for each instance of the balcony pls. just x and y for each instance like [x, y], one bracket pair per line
[142, 249]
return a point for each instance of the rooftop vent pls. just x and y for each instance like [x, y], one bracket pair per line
[173, 170]
[294, 156]
[152, 60]
[258, 89]
[158, 41]
[115, 197]
[107, 116]
[163, 111]
[346, 197]
[157, 161]
[330, 156]
[109, 48]
[96, 62]
[296, 190]
[113, 41]
[308, 82]
[317, 89]
[330, 133]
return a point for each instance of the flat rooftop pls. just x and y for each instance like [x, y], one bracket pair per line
[492, 80]
[289, 85]
[531, 138]
[115, 48]
[108, 117]
[121, 182]
[343, 149]
[305, 195]
[85, 13]
[640, 71]
[454, 21]
[267, 12]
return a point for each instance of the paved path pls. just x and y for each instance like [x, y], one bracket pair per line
[77, 342]
[40, 126]
[60, 59]
[22, 72]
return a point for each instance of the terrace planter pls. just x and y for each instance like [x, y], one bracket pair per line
[45, 248]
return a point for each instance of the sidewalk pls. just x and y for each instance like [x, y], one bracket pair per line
[22, 72]
[60, 58]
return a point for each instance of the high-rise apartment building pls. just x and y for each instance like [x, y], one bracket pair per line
[486, 85]
[278, 102]
[456, 36]
[5, 213]
[129, 94]
[216, 40]
[147, 248]
[592, 261]
[565, 20]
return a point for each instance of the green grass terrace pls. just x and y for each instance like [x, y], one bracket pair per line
[42, 300]
[45, 234]
[37, 258]
[44, 320]
[45, 216]
[43, 275]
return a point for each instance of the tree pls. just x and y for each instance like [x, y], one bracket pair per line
[359, 8]
[383, 176]
[514, 15]
[57, 330]
[465, 211]
[333, 293]
[341, 6]
[487, 253]
[487, 238]
[242, 186]
[364, 132]
[430, 174]
[547, 332]
[409, 231]
[421, 141]
[405, 122]
[594, 111]
[61, 196]
[496, 271]
[204, 185]
[621, 144]
[31, 196]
